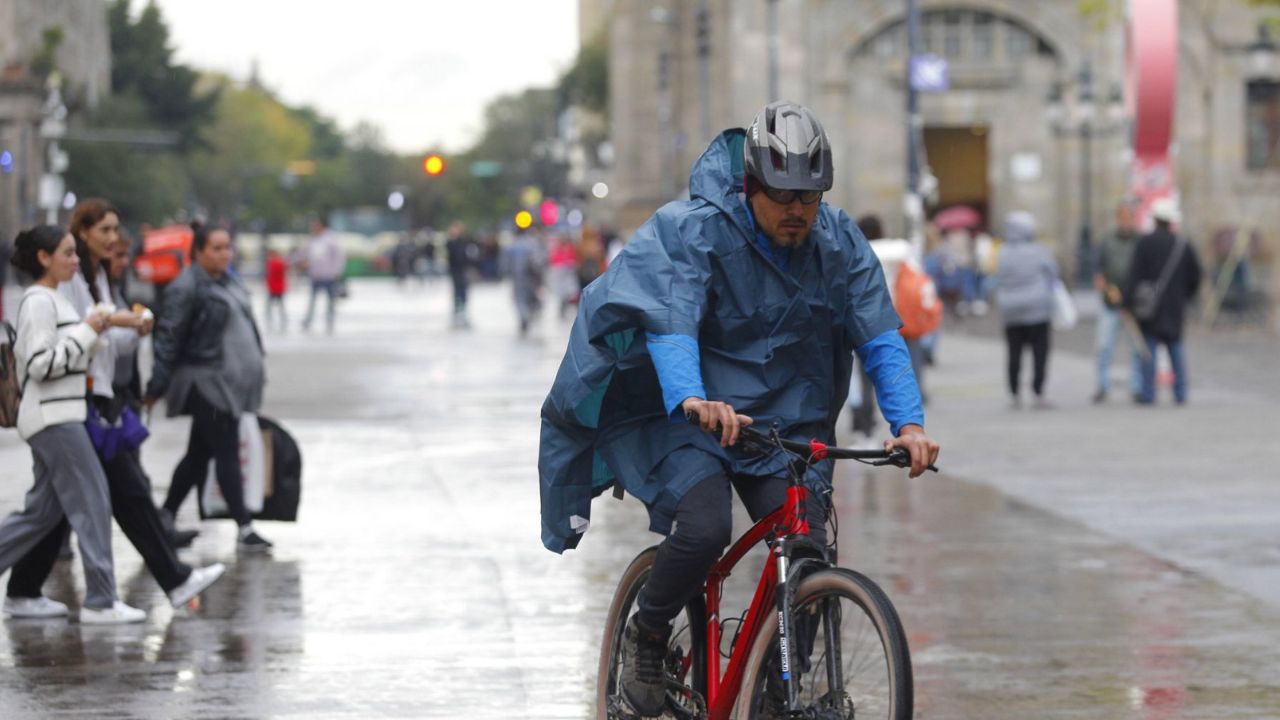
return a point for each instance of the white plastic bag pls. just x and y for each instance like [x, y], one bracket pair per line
[252, 472]
[1065, 314]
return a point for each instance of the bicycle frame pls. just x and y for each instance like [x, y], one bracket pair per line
[782, 524]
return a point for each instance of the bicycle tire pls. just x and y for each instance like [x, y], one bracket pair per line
[889, 654]
[687, 634]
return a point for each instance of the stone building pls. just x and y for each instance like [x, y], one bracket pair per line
[1028, 79]
[84, 62]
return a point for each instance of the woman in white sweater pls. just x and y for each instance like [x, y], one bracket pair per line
[53, 350]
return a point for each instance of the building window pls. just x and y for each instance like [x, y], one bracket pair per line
[1018, 41]
[952, 34]
[983, 36]
[1262, 129]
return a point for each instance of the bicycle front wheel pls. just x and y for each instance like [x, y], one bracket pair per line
[685, 665]
[849, 654]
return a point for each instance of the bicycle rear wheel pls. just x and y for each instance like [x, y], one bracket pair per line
[686, 665]
[850, 655]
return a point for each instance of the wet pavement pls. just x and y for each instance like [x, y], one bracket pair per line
[1077, 563]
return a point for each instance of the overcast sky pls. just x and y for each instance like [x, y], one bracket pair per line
[422, 70]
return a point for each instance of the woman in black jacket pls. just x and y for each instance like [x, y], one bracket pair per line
[209, 365]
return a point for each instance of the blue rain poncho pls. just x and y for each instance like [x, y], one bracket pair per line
[777, 344]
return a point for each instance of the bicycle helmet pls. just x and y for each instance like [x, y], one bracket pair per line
[787, 149]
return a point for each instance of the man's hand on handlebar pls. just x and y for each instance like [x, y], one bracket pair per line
[711, 415]
[924, 451]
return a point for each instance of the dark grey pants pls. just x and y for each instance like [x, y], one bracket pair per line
[702, 530]
[68, 480]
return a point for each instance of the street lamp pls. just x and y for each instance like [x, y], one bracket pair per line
[1077, 113]
[665, 18]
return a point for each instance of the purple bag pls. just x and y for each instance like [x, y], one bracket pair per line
[110, 439]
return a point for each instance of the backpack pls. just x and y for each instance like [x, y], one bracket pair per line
[916, 300]
[10, 391]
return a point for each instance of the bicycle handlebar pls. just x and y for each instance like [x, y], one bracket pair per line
[814, 450]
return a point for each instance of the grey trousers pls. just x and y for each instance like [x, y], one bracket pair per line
[69, 480]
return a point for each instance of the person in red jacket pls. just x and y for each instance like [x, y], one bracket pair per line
[277, 284]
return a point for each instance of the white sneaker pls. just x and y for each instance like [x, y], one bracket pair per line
[200, 579]
[117, 614]
[36, 607]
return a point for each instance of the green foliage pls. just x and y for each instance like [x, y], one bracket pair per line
[145, 186]
[250, 144]
[1101, 13]
[586, 84]
[142, 64]
[45, 60]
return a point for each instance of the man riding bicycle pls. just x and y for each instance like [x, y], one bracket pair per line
[743, 305]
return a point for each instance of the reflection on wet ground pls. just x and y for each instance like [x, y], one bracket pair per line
[414, 585]
[1013, 613]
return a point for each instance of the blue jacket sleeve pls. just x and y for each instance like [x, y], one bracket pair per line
[676, 359]
[886, 360]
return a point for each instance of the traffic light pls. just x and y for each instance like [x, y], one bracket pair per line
[433, 165]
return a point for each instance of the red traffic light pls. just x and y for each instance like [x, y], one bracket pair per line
[433, 165]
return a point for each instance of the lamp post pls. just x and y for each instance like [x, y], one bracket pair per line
[1074, 111]
[664, 18]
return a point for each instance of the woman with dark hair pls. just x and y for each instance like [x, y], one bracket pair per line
[53, 349]
[95, 225]
[208, 364]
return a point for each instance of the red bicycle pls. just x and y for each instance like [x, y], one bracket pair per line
[817, 642]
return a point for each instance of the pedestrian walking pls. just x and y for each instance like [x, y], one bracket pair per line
[277, 272]
[1164, 276]
[563, 274]
[127, 383]
[461, 254]
[1115, 256]
[209, 365]
[1024, 293]
[114, 428]
[54, 347]
[525, 262]
[326, 262]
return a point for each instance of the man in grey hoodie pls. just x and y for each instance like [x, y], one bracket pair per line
[1024, 294]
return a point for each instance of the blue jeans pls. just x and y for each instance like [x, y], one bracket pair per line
[328, 287]
[1177, 358]
[1110, 324]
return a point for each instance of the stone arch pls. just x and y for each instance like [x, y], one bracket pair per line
[1056, 27]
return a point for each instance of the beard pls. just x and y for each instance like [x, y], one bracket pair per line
[791, 236]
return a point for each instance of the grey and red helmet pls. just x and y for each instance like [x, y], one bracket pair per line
[787, 149]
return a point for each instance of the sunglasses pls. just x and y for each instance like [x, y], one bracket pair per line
[786, 197]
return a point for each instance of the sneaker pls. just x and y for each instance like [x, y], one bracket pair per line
[644, 682]
[183, 538]
[117, 614]
[254, 543]
[1099, 397]
[36, 607]
[197, 582]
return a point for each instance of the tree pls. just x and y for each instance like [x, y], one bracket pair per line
[254, 137]
[142, 64]
[45, 60]
[586, 84]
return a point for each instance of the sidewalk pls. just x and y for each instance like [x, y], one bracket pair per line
[1195, 485]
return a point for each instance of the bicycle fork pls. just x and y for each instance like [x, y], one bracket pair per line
[783, 598]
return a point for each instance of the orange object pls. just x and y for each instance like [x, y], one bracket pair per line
[915, 297]
[165, 252]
